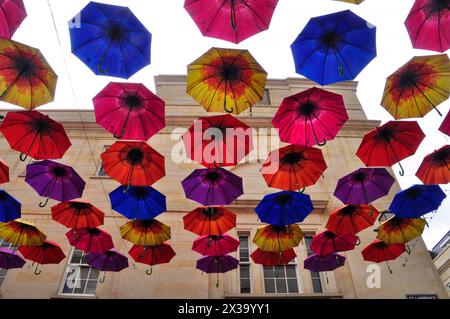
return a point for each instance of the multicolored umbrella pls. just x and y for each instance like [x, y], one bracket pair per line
[273, 258]
[90, 240]
[226, 80]
[110, 260]
[210, 221]
[10, 208]
[417, 87]
[378, 251]
[327, 243]
[215, 245]
[110, 40]
[10, 259]
[26, 78]
[417, 200]
[54, 180]
[390, 143]
[435, 167]
[21, 233]
[334, 47]
[278, 238]
[152, 255]
[293, 167]
[12, 14]
[310, 117]
[445, 125]
[233, 20]
[212, 186]
[400, 230]
[220, 140]
[284, 208]
[428, 23]
[364, 186]
[47, 253]
[318, 263]
[138, 202]
[352, 219]
[78, 214]
[35, 134]
[217, 264]
[145, 232]
[4, 172]
[133, 163]
[129, 111]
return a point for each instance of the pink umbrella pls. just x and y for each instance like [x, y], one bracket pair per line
[215, 245]
[12, 14]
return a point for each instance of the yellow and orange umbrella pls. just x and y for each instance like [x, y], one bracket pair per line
[278, 238]
[226, 80]
[22, 233]
[400, 230]
[145, 232]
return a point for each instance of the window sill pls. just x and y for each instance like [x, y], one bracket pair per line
[100, 177]
[285, 296]
[73, 297]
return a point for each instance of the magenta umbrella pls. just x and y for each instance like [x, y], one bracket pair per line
[12, 14]
[215, 245]
[10, 259]
[129, 111]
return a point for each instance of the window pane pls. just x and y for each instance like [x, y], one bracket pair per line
[269, 286]
[281, 285]
[84, 272]
[245, 271]
[292, 285]
[91, 287]
[245, 286]
[317, 285]
[94, 274]
[279, 272]
[243, 241]
[291, 271]
[76, 257]
[243, 255]
[269, 272]
[79, 289]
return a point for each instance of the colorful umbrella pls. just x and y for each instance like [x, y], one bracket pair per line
[378, 251]
[26, 79]
[90, 240]
[47, 253]
[233, 20]
[278, 238]
[215, 245]
[54, 180]
[226, 80]
[390, 143]
[21, 233]
[334, 47]
[78, 214]
[110, 260]
[272, 258]
[212, 186]
[35, 134]
[284, 208]
[152, 255]
[110, 40]
[293, 167]
[4, 172]
[428, 23]
[400, 230]
[352, 219]
[327, 243]
[145, 232]
[129, 111]
[364, 186]
[210, 221]
[10, 208]
[417, 87]
[310, 117]
[217, 264]
[10, 259]
[435, 167]
[445, 125]
[218, 141]
[133, 163]
[417, 200]
[12, 14]
[318, 263]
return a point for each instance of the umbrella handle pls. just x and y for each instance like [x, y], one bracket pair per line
[402, 170]
[228, 110]
[302, 190]
[37, 271]
[149, 271]
[122, 133]
[102, 280]
[43, 204]
[358, 242]
[23, 159]
[389, 268]
[217, 281]
[408, 249]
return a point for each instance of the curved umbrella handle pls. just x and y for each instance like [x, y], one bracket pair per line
[122, 133]
[301, 190]
[389, 268]
[43, 204]
[37, 271]
[408, 249]
[102, 280]
[358, 242]
[23, 159]
[228, 110]
[149, 272]
[402, 170]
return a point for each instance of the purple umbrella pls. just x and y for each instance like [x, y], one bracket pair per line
[54, 180]
[213, 186]
[364, 185]
[111, 260]
[318, 263]
[10, 259]
[217, 264]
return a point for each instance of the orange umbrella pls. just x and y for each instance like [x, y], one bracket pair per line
[435, 168]
[211, 221]
[352, 219]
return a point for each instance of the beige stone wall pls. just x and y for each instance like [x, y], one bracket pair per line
[442, 262]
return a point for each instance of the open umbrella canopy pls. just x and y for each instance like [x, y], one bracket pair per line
[334, 47]
[400, 230]
[293, 167]
[129, 111]
[226, 80]
[352, 219]
[417, 200]
[145, 232]
[10, 259]
[327, 243]
[35, 134]
[110, 40]
[212, 186]
[220, 140]
[110, 260]
[445, 125]
[377, 251]
[133, 163]
[4, 172]
[352, 1]
[26, 78]
[90, 240]
[47, 253]
[12, 14]
[21, 233]
[152, 255]
[10, 208]
[217, 264]
[273, 258]
[318, 263]
[215, 245]
[233, 20]
[284, 208]
[428, 23]
[78, 214]
[210, 221]
[310, 117]
[417, 87]
[278, 238]
[364, 186]
[435, 167]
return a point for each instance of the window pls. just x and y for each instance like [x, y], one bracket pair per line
[100, 172]
[315, 276]
[281, 279]
[244, 264]
[3, 272]
[266, 99]
[79, 278]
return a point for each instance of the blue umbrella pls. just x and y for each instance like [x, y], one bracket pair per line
[417, 200]
[9, 207]
[138, 202]
[335, 47]
[284, 208]
[110, 40]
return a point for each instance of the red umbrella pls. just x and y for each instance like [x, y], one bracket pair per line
[220, 140]
[90, 240]
[352, 219]
[35, 134]
[445, 125]
[435, 167]
[47, 253]
[77, 214]
[4, 172]
[273, 258]
[378, 251]
[210, 221]
[326, 243]
[152, 255]
[390, 143]
[12, 14]
[215, 245]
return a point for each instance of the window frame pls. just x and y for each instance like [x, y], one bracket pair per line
[308, 250]
[266, 96]
[8, 246]
[99, 167]
[246, 263]
[297, 275]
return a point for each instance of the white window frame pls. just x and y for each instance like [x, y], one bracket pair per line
[297, 275]
[310, 272]
[246, 263]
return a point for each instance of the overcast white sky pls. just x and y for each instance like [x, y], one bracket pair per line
[177, 42]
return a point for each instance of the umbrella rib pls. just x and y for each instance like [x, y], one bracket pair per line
[215, 15]
[255, 14]
[214, 94]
